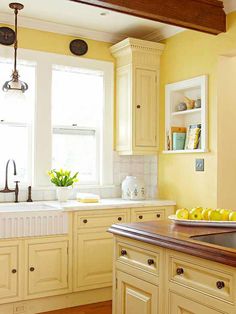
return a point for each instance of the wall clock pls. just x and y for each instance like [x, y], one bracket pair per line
[7, 36]
[78, 47]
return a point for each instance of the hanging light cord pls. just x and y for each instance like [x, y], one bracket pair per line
[15, 72]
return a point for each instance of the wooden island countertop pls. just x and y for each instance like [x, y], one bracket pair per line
[176, 237]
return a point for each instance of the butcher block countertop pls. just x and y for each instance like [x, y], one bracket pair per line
[176, 237]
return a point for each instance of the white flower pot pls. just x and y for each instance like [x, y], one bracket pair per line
[63, 193]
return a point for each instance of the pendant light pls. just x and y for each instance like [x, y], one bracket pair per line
[15, 84]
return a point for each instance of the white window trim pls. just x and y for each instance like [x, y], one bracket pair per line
[42, 150]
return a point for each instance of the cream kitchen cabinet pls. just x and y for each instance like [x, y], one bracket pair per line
[93, 247]
[135, 296]
[137, 94]
[47, 267]
[10, 271]
[182, 305]
[150, 279]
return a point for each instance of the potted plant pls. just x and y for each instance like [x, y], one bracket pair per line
[63, 180]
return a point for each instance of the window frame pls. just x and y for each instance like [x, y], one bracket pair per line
[42, 124]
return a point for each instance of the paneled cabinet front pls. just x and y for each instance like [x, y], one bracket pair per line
[179, 304]
[145, 108]
[93, 248]
[47, 267]
[10, 271]
[135, 296]
[94, 260]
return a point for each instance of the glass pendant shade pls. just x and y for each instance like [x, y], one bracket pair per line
[15, 85]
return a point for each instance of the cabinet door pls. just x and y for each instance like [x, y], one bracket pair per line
[9, 273]
[93, 260]
[182, 305]
[145, 108]
[47, 268]
[135, 296]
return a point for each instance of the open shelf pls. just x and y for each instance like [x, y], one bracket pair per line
[180, 121]
[190, 111]
[184, 151]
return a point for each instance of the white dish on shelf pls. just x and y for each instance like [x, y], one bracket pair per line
[202, 223]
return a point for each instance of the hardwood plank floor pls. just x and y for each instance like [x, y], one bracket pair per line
[97, 308]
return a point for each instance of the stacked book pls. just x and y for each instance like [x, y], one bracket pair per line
[182, 138]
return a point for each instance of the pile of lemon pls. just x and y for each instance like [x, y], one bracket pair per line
[200, 213]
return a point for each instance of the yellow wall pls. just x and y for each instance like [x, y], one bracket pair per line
[186, 55]
[58, 43]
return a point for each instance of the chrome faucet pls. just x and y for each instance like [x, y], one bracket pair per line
[6, 189]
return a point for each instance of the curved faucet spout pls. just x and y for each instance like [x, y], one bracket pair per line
[15, 173]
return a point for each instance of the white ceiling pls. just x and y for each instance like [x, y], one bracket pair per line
[84, 19]
[80, 20]
[230, 5]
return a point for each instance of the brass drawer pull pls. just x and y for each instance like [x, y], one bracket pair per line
[31, 269]
[14, 271]
[220, 284]
[85, 221]
[158, 215]
[119, 218]
[140, 217]
[123, 252]
[150, 262]
[179, 271]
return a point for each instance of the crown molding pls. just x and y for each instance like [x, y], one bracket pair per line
[61, 29]
[163, 33]
[160, 34]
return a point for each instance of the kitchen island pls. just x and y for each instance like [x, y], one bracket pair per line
[160, 267]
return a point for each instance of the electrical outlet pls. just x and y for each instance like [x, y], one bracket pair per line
[199, 165]
[19, 308]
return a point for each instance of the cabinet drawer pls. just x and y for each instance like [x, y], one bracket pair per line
[147, 215]
[138, 257]
[201, 278]
[101, 220]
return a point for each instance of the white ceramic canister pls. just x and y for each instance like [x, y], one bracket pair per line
[133, 189]
[63, 193]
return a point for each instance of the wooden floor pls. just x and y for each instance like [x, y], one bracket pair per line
[98, 308]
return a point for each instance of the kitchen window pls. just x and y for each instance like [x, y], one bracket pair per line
[16, 116]
[66, 120]
[77, 107]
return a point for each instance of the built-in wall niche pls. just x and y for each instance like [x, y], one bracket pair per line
[186, 107]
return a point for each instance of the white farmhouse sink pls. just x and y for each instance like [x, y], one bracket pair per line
[31, 219]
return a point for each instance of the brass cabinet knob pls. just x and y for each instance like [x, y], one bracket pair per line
[158, 215]
[138, 106]
[220, 284]
[119, 218]
[85, 221]
[14, 271]
[31, 268]
[150, 261]
[123, 252]
[179, 271]
[140, 217]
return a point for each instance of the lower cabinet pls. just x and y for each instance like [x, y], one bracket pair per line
[172, 283]
[47, 267]
[135, 296]
[181, 305]
[10, 271]
[93, 260]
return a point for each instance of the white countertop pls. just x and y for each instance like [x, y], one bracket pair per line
[73, 205]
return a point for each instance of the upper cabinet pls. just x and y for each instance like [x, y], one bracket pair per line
[137, 96]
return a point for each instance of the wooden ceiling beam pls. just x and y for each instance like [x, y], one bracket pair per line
[202, 15]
